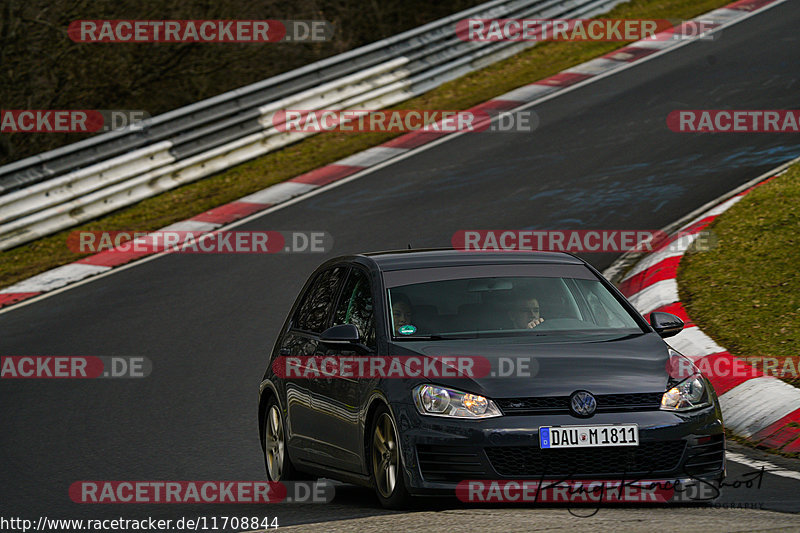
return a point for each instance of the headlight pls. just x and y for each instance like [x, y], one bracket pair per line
[691, 393]
[441, 401]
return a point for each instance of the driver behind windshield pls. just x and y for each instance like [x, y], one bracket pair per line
[401, 311]
[524, 311]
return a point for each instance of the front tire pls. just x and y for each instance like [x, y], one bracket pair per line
[386, 468]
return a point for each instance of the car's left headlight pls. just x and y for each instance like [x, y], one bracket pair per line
[443, 401]
[691, 393]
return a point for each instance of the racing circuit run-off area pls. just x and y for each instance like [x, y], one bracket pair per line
[399, 266]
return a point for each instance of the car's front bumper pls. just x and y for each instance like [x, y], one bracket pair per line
[438, 452]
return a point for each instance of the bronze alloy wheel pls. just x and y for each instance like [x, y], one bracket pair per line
[275, 449]
[385, 456]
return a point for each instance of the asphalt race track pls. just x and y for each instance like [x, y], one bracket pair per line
[601, 158]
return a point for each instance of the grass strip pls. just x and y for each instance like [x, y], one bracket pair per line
[745, 292]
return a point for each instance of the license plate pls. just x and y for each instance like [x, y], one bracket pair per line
[588, 436]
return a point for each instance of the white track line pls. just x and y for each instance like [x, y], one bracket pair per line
[769, 468]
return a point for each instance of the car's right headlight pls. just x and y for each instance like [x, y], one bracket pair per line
[691, 393]
[443, 401]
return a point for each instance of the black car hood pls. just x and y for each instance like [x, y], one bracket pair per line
[631, 364]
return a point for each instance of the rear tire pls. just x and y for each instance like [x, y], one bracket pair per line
[276, 454]
[386, 466]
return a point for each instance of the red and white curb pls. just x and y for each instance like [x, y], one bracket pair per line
[282, 192]
[760, 408]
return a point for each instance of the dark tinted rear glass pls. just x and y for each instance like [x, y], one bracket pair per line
[317, 302]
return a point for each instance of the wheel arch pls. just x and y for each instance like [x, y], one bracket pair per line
[375, 402]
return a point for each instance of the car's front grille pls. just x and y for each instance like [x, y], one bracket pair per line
[647, 458]
[629, 401]
[545, 404]
[706, 457]
[606, 403]
[449, 463]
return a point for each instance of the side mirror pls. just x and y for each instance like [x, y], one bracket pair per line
[343, 336]
[665, 324]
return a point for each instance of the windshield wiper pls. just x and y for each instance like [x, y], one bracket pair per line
[438, 337]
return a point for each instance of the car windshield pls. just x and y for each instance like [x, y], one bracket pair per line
[507, 306]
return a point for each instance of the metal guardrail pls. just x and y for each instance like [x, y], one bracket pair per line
[72, 184]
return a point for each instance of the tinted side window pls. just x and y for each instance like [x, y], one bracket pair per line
[355, 306]
[317, 302]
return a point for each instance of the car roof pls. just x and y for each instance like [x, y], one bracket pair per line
[409, 259]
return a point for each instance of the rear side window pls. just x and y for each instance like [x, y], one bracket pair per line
[355, 306]
[317, 302]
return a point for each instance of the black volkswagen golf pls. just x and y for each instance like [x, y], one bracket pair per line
[413, 371]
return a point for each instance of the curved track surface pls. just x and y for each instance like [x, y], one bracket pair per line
[602, 157]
